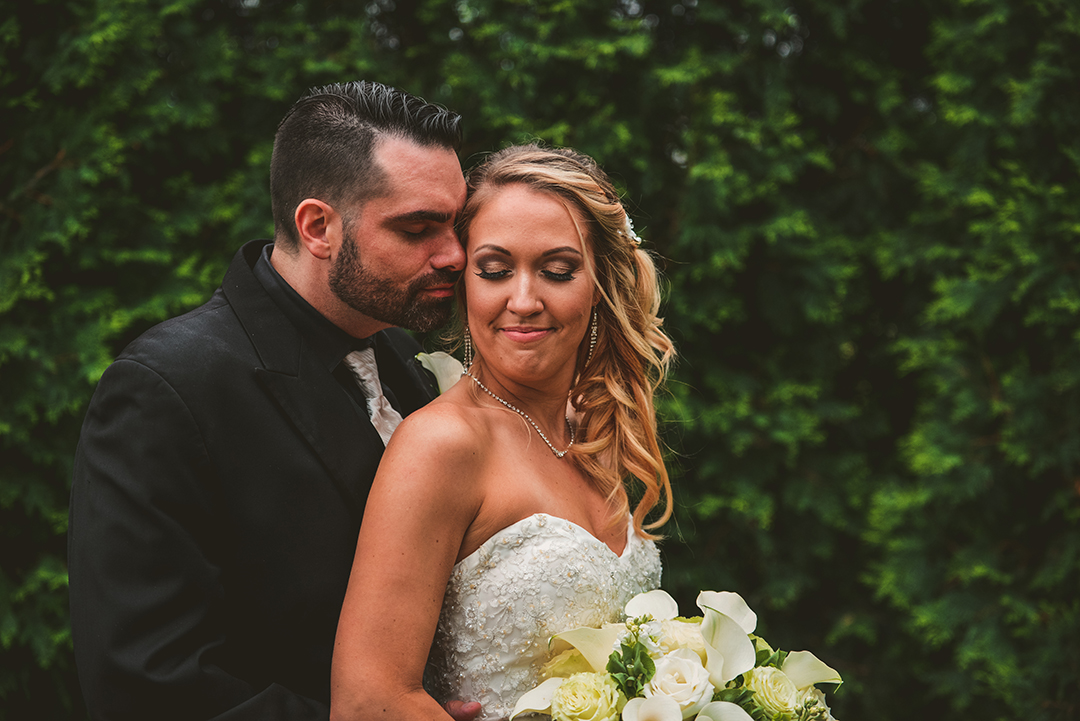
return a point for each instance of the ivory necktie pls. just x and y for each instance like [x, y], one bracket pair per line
[383, 416]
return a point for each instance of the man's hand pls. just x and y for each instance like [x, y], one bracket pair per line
[462, 711]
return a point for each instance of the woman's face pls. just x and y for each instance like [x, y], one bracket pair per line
[528, 293]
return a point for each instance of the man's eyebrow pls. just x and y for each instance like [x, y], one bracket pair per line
[421, 215]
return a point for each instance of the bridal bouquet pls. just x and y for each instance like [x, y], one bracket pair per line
[658, 666]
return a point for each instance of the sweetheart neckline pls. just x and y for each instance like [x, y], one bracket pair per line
[535, 516]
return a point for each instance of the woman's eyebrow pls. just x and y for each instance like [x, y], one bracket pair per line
[492, 247]
[552, 251]
[564, 249]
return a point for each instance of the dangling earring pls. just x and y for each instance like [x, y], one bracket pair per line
[468, 349]
[592, 338]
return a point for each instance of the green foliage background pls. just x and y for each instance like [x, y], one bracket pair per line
[870, 215]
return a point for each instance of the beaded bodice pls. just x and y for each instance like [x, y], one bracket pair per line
[538, 577]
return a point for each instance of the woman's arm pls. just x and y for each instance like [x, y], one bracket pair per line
[421, 504]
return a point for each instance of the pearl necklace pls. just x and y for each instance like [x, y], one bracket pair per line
[523, 414]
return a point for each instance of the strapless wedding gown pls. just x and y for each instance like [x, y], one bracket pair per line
[536, 578]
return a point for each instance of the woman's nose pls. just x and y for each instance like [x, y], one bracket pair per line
[523, 298]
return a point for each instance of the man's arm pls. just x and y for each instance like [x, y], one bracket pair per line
[145, 582]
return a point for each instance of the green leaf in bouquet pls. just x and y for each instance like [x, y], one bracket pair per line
[776, 659]
[759, 714]
[631, 669]
[742, 696]
[761, 658]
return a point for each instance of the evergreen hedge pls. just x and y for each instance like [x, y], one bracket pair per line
[869, 212]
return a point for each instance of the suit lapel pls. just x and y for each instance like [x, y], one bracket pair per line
[399, 369]
[350, 450]
[309, 395]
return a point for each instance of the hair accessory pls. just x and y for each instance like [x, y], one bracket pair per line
[523, 414]
[628, 230]
[468, 350]
[592, 337]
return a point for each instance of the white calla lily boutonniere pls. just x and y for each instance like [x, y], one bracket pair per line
[658, 666]
[446, 368]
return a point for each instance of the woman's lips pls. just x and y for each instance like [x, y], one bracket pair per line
[525, 334]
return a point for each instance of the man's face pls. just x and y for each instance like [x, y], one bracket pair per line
[399, 256]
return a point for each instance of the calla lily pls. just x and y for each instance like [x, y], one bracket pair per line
[723, 711]
[662, 708]
[805, 669]
[728, 650]
[595, 644]
[565, 664]
[657, 604]
[446, 368]
[654, 708]
[731, 605]
[539, 699]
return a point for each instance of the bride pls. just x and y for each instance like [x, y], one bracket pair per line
[499, 516]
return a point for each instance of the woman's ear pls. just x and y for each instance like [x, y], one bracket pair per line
[319, 227]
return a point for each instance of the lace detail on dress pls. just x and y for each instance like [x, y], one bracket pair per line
[536, 578]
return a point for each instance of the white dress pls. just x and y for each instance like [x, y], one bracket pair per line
[531, 580]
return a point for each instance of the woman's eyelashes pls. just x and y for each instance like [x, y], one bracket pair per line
[559, 274]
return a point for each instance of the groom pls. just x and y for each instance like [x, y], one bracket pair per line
[225, 458]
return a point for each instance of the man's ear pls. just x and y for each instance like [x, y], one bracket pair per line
[319, 228]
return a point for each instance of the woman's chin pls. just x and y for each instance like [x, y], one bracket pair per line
[532, 367]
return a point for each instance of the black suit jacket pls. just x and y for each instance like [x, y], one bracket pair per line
[218, 487]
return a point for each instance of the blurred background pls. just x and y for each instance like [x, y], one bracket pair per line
[868, 215]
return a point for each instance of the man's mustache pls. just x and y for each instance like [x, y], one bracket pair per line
[440, 276]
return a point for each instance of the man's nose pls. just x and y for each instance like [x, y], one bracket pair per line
[449, 255]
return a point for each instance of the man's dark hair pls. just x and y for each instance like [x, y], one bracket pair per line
[324, 145]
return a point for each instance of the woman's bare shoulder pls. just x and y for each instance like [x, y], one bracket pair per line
[428, 476]
[443, 440]
[444, 425]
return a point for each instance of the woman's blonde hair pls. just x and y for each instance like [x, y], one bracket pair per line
[614, 389]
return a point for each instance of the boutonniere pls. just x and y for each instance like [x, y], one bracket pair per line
[446, 368]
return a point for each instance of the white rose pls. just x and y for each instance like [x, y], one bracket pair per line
[681, 677]
[587, 697]
[682, 634]
[773, 690]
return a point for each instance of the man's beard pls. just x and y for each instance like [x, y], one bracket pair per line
[379, 298]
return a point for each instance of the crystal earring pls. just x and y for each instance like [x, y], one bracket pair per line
[468, 349]
[592, 338]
